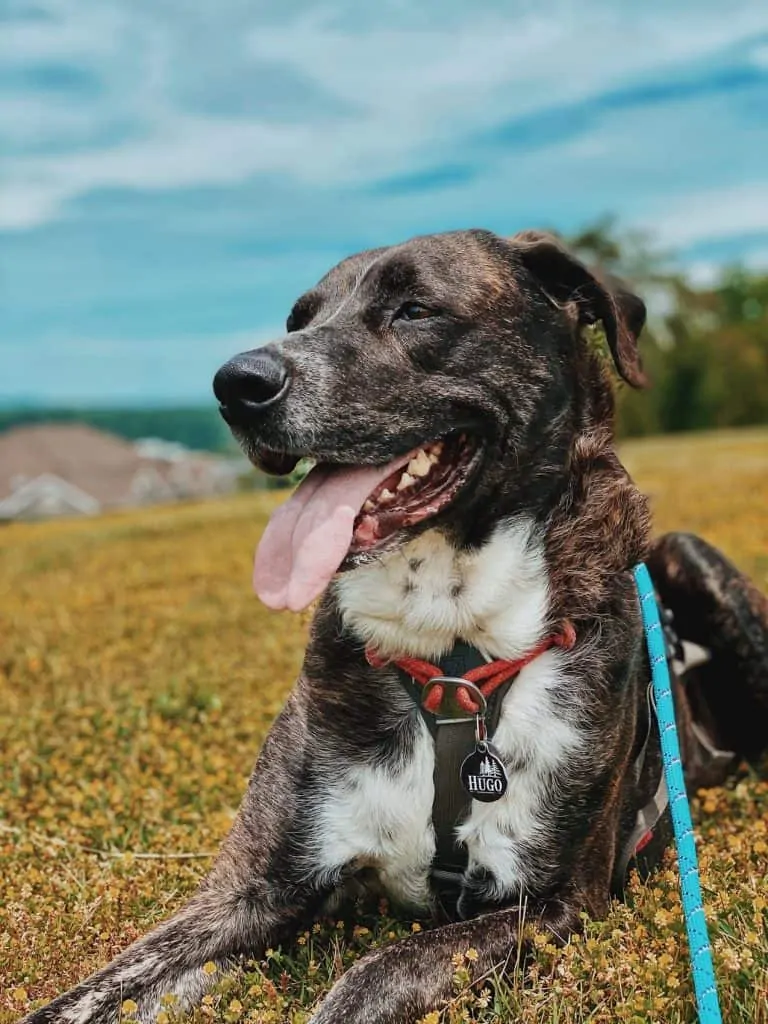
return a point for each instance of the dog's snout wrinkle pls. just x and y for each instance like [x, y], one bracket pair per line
[249, 383]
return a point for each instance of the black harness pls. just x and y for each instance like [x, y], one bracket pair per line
[453, 731]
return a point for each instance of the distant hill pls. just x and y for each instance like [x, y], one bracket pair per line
[197, 427]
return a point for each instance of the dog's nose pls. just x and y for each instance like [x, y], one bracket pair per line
[249, 383]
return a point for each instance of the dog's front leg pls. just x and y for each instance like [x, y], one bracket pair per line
[173, 960]
[400, 983]
[257, 893]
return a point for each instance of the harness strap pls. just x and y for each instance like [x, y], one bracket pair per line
[653, 830]
[454, 736]
[453, 739]
[488, 676]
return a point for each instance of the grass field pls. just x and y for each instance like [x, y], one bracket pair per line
[138, 676]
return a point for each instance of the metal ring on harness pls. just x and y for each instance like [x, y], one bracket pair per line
[450, 709]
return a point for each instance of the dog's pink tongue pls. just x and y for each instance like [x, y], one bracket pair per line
[307, 538]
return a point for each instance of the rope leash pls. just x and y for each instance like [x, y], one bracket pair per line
[690, 888]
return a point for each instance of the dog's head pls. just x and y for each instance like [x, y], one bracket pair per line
[440, 382]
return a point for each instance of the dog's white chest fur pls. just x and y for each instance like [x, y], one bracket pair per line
[419, 601]
[421, 598]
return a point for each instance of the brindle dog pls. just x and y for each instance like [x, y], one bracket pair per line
[466, 488]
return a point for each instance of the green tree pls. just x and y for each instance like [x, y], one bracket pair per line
[705, 350]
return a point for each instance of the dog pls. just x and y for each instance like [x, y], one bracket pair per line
[467, 507]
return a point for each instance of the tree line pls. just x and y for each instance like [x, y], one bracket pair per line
[705, 347]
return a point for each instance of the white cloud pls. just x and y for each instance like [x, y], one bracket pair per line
[757, 259]
[283, 122]
[711, 214]
[24, 205]
[703, 273]
[410, 96]
[560, 52]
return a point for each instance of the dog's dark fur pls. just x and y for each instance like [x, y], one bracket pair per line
[506, 358]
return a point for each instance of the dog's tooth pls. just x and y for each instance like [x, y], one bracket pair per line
[369, 506]
[386, 496]
[406, 480]
[420, 465]
[367, 530]
[433, 459]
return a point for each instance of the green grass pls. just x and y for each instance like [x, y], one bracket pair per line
[138, 676]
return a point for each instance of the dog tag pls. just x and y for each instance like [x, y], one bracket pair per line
[483, 775]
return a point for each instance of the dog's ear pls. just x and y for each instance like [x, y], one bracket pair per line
[566, 280]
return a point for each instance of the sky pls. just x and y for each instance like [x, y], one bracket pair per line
[174, 174]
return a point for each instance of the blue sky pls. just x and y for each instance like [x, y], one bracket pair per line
[173, 175]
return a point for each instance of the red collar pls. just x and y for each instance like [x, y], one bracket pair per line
[486, 677]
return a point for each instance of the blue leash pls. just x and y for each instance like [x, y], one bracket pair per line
[698, 940]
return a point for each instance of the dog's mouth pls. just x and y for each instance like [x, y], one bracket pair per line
[427, 484]
[340, 514]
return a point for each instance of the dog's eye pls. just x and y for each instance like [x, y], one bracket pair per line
[413, 311]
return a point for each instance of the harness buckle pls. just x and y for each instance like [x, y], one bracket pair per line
[450, 710]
